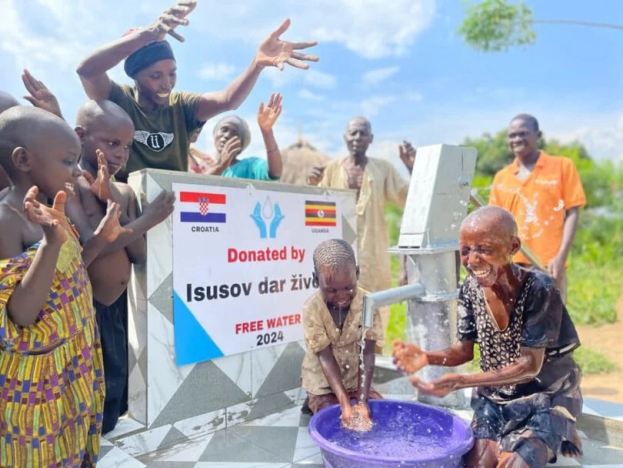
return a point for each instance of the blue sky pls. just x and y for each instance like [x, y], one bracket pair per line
[397, 62]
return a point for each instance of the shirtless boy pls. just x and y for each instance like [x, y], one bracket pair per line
[106, 133]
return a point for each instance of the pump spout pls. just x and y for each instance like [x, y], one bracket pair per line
[373, 301]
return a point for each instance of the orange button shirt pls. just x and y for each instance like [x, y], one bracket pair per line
[540, 202]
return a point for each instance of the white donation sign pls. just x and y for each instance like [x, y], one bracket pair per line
[242, 266]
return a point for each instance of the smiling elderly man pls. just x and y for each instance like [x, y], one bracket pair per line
[376, 181]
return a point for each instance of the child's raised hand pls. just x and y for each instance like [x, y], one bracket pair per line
[267, 116]
[52, 220]
[408, 357]
[100, 186]
[160, 208]
[40, 95]
[109, 228]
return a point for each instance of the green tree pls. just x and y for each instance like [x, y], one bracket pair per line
[496, 25]
[601, 180]
[494, 153]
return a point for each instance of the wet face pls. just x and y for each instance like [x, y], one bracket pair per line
[53, 164]
[113, 138]
[522, 138]
[486, 250]
[338, 286]
[224, 134]
[156, 82]
[358, 137]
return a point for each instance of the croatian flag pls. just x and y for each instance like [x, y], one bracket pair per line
[202, 207]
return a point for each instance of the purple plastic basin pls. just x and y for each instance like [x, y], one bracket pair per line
[406, 434]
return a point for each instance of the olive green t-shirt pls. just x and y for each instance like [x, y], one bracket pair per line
[160, 135]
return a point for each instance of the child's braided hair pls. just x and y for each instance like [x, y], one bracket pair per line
[334, 254]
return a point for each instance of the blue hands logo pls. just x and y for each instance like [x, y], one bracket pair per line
[270, 213]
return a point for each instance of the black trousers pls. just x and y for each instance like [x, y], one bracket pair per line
[112, 322]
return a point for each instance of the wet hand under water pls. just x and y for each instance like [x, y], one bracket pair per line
[357, 418]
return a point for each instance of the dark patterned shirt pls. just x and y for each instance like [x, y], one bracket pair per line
[538, 320]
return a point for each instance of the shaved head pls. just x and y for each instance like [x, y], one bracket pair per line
[7, 101]
[359, 121]
[532, 122]
[93, 113]
[491, 219]
[30, 128]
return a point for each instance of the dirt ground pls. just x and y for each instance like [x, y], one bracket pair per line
[608, 340]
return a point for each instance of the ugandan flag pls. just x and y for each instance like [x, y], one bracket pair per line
[319, 213]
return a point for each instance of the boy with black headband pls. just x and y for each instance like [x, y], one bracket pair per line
[164, 119]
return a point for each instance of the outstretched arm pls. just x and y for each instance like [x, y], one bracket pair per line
[93, 69]
[273, 52]
[524, 369]
[266, 118]
[409, 358]
[153, 214]
[212, 104]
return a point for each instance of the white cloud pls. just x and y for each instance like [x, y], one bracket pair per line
[413, 97]
[370, 28]
[320, 80]
[602, 134]
[378, 75]
[603, 138]
[58, 33]
[372, 105]
[312, 78]
[307, 94]
[217, 71]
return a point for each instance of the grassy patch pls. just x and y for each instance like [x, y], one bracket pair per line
[594, 273]
[397, 326]
[593, 292]
[592, 362]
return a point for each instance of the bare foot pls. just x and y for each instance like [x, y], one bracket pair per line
[572, 448]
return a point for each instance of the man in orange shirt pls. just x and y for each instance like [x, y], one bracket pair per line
[544, 193]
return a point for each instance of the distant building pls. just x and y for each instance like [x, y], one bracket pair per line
[298, 160]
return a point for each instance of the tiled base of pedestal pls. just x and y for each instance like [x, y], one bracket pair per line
[281, 440]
